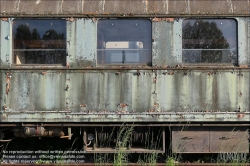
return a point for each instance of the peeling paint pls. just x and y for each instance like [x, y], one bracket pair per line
[163, 19]
[82, 5]
[188, 10]
[60, 6]
[151, 90]
[102, 6]
[4, 19]
[230, 6]
[145, 5]
[8, 77]
[38, 2]
[16, 6]
[166, 6]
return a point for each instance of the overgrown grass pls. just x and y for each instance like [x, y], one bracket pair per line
[121, 157]
[3, 148]
[170, 161]
[149, 159]
[238, 157]
[122, 144]
[234, 158]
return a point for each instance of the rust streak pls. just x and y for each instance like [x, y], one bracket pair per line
[156, 104]
[122, 105]
[155, 79]
[43, 73]
[83, 105]
[240, 115]
[71, 19]
[4, 19]
[171, 73]
[163, 19]
[7, 88]
[8, 77]
[243, 66]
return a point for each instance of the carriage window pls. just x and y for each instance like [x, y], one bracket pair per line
[209, 41]
[39, 41]
[124, 42]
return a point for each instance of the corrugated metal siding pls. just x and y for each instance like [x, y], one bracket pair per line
[104, 90]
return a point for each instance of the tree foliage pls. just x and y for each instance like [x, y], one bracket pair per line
[203, 35]
[24, 35]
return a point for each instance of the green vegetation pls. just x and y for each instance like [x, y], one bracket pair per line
[121, 141]
[121, 157]
[148, 159]
[170, 161]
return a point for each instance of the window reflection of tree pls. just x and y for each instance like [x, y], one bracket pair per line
[204, 35]
[27, 39]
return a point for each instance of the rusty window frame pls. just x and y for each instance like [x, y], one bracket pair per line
[49, 42]
[142, 47]
[235, 49]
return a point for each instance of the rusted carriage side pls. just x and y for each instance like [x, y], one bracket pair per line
[85, 94]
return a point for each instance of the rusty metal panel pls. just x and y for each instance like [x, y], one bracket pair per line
[176, 6]
[6, 7]
[190, 140]
[243, 91]
[229, 139]
[226, 86]
[105, 96]
[72, 7]
[108, 90]
[122, 7]
[8, 115]
[163, 90]
[162, 42]
[156, 7]
[81, 42]
[243, 40]
[167, 44]
[28, 7]
[36, 91]
[5, 41]
[127, 8]
[221, 6]
[93, 7]
[210, 140]
[111, 95]
[176, 88]
[201, 90]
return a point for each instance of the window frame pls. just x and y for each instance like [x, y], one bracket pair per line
[150, 56]
[12, 45]
[200, 64]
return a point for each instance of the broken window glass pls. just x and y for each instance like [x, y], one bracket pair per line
[209, 41]
[124, 42]
[39, 41]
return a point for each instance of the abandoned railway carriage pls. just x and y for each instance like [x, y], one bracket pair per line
[177, 71]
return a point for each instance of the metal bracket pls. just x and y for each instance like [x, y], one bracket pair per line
[1, 138]
[69, 134]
